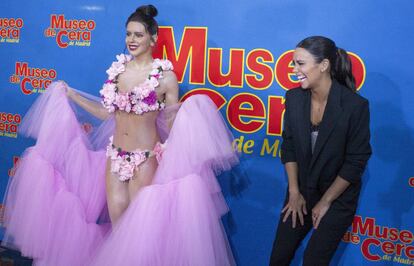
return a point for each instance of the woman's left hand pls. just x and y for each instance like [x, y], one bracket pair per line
[319, 211]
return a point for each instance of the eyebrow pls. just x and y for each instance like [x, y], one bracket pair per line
[135, 31]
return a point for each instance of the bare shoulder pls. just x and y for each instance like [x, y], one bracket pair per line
[169, 76]
[170, 79]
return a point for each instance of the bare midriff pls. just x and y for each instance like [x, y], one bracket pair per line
[134, 131]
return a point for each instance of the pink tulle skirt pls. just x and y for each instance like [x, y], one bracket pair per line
[56, 204]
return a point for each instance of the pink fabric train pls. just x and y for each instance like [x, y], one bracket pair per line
[56, 207]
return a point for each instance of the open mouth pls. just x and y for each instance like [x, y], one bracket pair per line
[132, 47]
[301, 78]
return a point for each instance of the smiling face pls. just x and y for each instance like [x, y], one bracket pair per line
[138, 40]
[309, 72]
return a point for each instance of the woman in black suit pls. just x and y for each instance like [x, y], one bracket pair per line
[325, 150]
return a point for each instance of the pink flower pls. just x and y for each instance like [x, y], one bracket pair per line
[108, 92]
[122, 58]
[153, 82]
[154, 71]
[151, 98]
[126, 170]
[143, 90]
[128, 107]
[138, 158]
[143, 98]
[159, 150]
[164, 64]
[115, 165]
[121, 100]
[115, 69]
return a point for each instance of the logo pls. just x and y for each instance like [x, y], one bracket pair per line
[220, 73]
[411, 181]
[10, 29]
[31, 79]
[70, 32]
[381, 243]
[9, 124]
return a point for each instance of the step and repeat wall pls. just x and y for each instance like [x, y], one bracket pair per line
[238, 53]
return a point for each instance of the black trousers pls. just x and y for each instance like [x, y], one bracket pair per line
[323, 242]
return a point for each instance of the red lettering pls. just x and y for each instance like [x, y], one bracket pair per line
[249, 106]
[411, 181]
[9, 128]
[215, 96]
[365, 249]
[192, 47]
[19, 23]
[17, 118]
[406, 236]
[358, 69]
[11, 22]
[91, 24]
[284, 71]
[23, 86]
[34, 83]
[21, 69]
[10, 33]
[9, 118]
[263, 74]
[409, 251]
[57, 21]
[388, 247]
[276, 111]
[359, 227]
[234, 76]
[350, 238]
[384, 234]
[59, 39]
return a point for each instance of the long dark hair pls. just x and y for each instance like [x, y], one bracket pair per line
[145, 15]
[324, 48]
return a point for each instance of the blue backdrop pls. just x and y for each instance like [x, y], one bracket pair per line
[238, 53]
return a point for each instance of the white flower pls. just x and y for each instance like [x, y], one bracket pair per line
[122, 58]
[164, 64]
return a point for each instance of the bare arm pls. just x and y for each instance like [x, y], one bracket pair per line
[171, 94]
[93, 108]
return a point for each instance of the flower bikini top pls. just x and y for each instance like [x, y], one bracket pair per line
[142, 98]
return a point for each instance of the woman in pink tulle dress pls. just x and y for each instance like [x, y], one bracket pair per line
[150, 165]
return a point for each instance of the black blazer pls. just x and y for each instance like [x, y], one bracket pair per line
[342, 146]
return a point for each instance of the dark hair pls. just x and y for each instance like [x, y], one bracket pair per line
[145, 15]
[324, 48]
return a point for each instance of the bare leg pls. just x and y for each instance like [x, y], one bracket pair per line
[143, 176]
[117, 194]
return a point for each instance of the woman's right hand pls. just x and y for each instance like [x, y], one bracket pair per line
[296, 207]
[69, 91]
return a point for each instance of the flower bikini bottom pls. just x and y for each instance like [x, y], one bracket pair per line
[123, 163]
